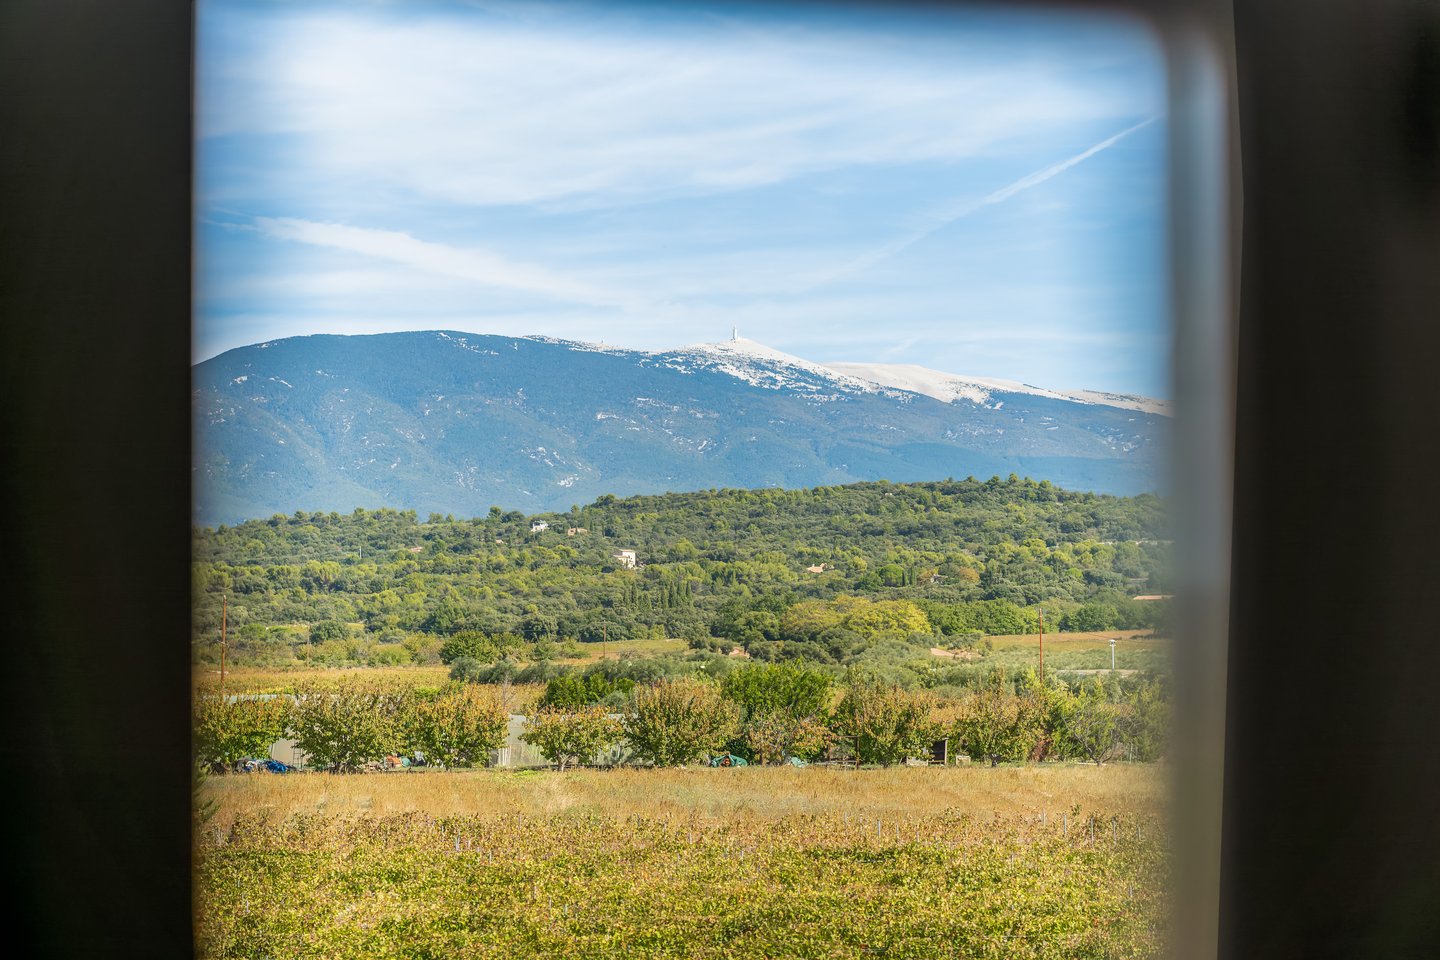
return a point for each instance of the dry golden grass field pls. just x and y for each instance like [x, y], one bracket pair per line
[1080, 641]
[1052, 861]
[251, 679]
[736, 794]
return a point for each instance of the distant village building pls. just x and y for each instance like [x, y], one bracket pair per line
[627, 559]
[415, 549]
[818, 568]
[537, 526]
[572, 531]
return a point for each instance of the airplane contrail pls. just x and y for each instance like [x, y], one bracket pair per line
[949, 215]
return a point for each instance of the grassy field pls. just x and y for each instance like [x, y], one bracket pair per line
[1080, 642]
[1080, 652]
[252, 679]
[1063, 651]
[1026, 861]
[286, 679]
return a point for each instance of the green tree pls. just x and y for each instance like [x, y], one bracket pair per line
[775, 737]
[673, 722]
[1145, 727]
[1090, 617]
[328, 630]
[471, 644]
[229, 729]
[343, 727]
[995, 723]
[538, 627]
[795, 689]
[1095, 725]
[884, 723]
[459, 727]
[566, 691]
[571, 737]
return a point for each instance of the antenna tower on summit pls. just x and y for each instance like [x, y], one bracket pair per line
[734, 333]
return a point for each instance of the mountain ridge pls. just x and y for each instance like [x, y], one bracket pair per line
[454, 422]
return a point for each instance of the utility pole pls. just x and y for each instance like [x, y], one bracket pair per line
[1112, 654]
[1042, 646]
[223, 604]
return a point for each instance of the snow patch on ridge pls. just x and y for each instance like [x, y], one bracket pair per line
[945, 387]
[951, 387]
[1125, 401]
[762, 366]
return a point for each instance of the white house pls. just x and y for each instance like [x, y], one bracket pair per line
[627, 559]
[538, 525]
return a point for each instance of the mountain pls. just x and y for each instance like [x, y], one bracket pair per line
[451, 422]
[951, 387]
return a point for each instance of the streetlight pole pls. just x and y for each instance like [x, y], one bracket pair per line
[1112, 654]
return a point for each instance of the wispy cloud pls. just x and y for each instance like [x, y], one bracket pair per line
[473, 264]
[490, 111]
[650, 175]
[947, 214]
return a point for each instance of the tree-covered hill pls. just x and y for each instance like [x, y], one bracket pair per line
[823, 573]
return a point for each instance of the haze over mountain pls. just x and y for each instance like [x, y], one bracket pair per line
[453, 423]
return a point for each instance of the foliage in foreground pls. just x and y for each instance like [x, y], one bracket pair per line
[766, 713]
[459, 727]
[592, 887]
[884, 723]
[343, 727]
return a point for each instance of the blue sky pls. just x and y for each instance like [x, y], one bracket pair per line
[978, 192]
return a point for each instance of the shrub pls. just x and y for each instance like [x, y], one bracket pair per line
[469, 644]
[791, 688]
[466, 670]
[328, 630]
